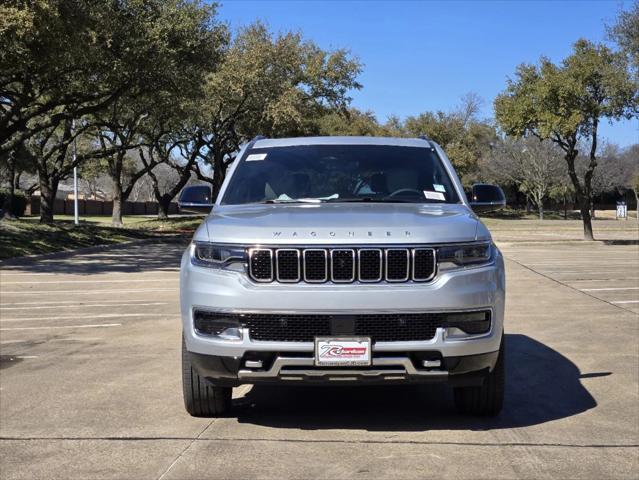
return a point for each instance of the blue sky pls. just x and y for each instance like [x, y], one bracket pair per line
[421, 56]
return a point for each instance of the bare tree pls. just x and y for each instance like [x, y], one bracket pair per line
[530, 164]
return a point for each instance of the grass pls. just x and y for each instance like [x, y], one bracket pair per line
[28, 236]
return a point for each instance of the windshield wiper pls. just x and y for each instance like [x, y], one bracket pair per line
[376, 200]
[293, 200]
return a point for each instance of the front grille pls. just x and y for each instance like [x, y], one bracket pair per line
[423, 263]
[286, 328]
[370, 265]
[342, 265]
[261, 262]
[397, 264]
[315, 265]
[380, 327]
[288, 265]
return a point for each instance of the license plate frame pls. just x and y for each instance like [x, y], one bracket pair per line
[343, 352]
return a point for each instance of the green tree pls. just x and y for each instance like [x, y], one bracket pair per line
[350, 122]
[626, 33]
[465, 138]
[273, 85]
[72, 59]
[565, 104]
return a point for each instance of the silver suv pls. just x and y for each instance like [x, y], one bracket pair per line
[342, 260]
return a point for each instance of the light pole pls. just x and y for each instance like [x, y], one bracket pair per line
[75, 178]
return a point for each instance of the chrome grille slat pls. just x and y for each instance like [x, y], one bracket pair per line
[312, 265]
[397, 264]
[369, 264]
[342, 264]
[424, 264]
[261, 264]
[287, 265]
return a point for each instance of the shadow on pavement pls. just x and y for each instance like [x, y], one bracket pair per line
[542, 385]
[161, 256]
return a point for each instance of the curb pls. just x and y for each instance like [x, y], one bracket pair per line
[28, 259]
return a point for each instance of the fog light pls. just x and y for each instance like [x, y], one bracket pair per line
[471, 323]
[232, 333]
[217, 325]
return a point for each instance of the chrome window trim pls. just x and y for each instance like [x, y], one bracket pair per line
[352, 250]
[323, 250]
[277, 269]
[359, 264]
[407, 251]
[250, 259]
[414, 278]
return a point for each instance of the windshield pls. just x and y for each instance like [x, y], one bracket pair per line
[340, 173]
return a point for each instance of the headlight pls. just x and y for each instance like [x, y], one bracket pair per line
[463, 255]
[218, 256]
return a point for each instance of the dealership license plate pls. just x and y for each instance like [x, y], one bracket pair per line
[342, 352]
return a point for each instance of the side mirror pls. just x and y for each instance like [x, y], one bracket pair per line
[196, 199]
[487, 198]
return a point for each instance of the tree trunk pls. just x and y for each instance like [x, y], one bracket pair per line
[565, 209]
[7, 207]
[164, 204]
[47, 201]
[541, 211]
[118, 200]
[586, 219]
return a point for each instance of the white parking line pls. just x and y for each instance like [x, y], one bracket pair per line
[93, 281]
[91, 292]
[4, 273]
[53, 307]
[103, 325]
[607, 289]
[84, 317]
[601, 279]
[75, 302]
[625, 301]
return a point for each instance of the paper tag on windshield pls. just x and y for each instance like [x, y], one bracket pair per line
[254, 157]
[434, 195]
[438, 187]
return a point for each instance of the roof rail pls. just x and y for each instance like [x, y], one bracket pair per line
[258, 137]
[424, 137]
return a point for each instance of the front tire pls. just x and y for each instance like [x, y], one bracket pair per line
[488, 399]
[201, 399]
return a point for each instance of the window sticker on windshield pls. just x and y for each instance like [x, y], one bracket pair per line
[434, 195]
[254, 157]
[438, 187]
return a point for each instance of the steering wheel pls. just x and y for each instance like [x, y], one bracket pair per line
[405, 190]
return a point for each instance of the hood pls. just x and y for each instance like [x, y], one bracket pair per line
[343, 223]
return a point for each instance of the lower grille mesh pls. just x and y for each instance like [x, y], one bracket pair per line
[381, 327]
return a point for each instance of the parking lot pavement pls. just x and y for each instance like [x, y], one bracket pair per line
[90, 383]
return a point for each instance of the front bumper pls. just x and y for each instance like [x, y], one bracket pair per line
[469, 370]
[452, 291]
